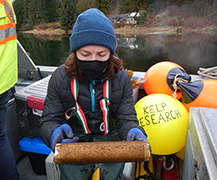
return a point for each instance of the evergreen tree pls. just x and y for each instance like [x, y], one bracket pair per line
[103, 5]
[83, 5]
[127, 6]
[34, 13]
[18, 6]
[142, 18]
[68, 14]
[48, 10]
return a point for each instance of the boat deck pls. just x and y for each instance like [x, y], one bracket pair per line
[25, 170]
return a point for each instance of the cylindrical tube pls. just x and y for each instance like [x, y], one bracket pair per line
[102, 152]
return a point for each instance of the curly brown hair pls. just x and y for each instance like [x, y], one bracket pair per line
[72, 69]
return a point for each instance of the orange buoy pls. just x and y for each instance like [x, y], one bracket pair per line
[200, 93]
[160, 78]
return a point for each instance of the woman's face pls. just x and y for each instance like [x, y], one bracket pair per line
[93, 52]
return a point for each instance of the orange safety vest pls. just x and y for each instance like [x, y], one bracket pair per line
[8, 46]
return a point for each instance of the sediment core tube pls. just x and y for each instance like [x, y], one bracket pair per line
[102, 152]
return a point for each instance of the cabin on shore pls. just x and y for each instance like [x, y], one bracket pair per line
[121, 20]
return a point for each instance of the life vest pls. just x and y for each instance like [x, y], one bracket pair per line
[8, 46]
[78, 112]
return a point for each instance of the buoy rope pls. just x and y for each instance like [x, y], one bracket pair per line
[175, 86]
[149, 175]
[210, 73]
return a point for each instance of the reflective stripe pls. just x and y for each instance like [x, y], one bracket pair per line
[7, 32]
[9, 10]
[10, 38]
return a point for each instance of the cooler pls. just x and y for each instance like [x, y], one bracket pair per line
[30, 103]
[37, 152]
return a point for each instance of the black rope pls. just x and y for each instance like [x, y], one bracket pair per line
[150, 175]
[143, 177]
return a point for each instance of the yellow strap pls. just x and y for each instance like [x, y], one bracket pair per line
[96, 175]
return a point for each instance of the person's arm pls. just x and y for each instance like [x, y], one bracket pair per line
[125, 114]
[53, 112]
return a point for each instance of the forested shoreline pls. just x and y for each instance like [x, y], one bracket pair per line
[61, 14]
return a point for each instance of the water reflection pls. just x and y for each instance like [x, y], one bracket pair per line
[190, 51]
[138, 52]
[46, 50]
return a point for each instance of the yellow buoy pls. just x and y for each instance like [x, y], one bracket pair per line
[181, 154]
[165, 121]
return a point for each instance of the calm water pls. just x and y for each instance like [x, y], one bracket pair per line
[138, 52]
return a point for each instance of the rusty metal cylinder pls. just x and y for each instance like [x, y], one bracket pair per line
[102, 152]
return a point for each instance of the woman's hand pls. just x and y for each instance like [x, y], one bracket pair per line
[136, 134]
[62, 134]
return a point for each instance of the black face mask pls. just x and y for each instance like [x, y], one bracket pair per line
[92, 69]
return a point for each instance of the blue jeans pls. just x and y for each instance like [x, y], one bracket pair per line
[8, 169]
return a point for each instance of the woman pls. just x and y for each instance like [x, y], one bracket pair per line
[89, 97]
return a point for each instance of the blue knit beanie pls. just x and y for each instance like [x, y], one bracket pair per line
[92, 27]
